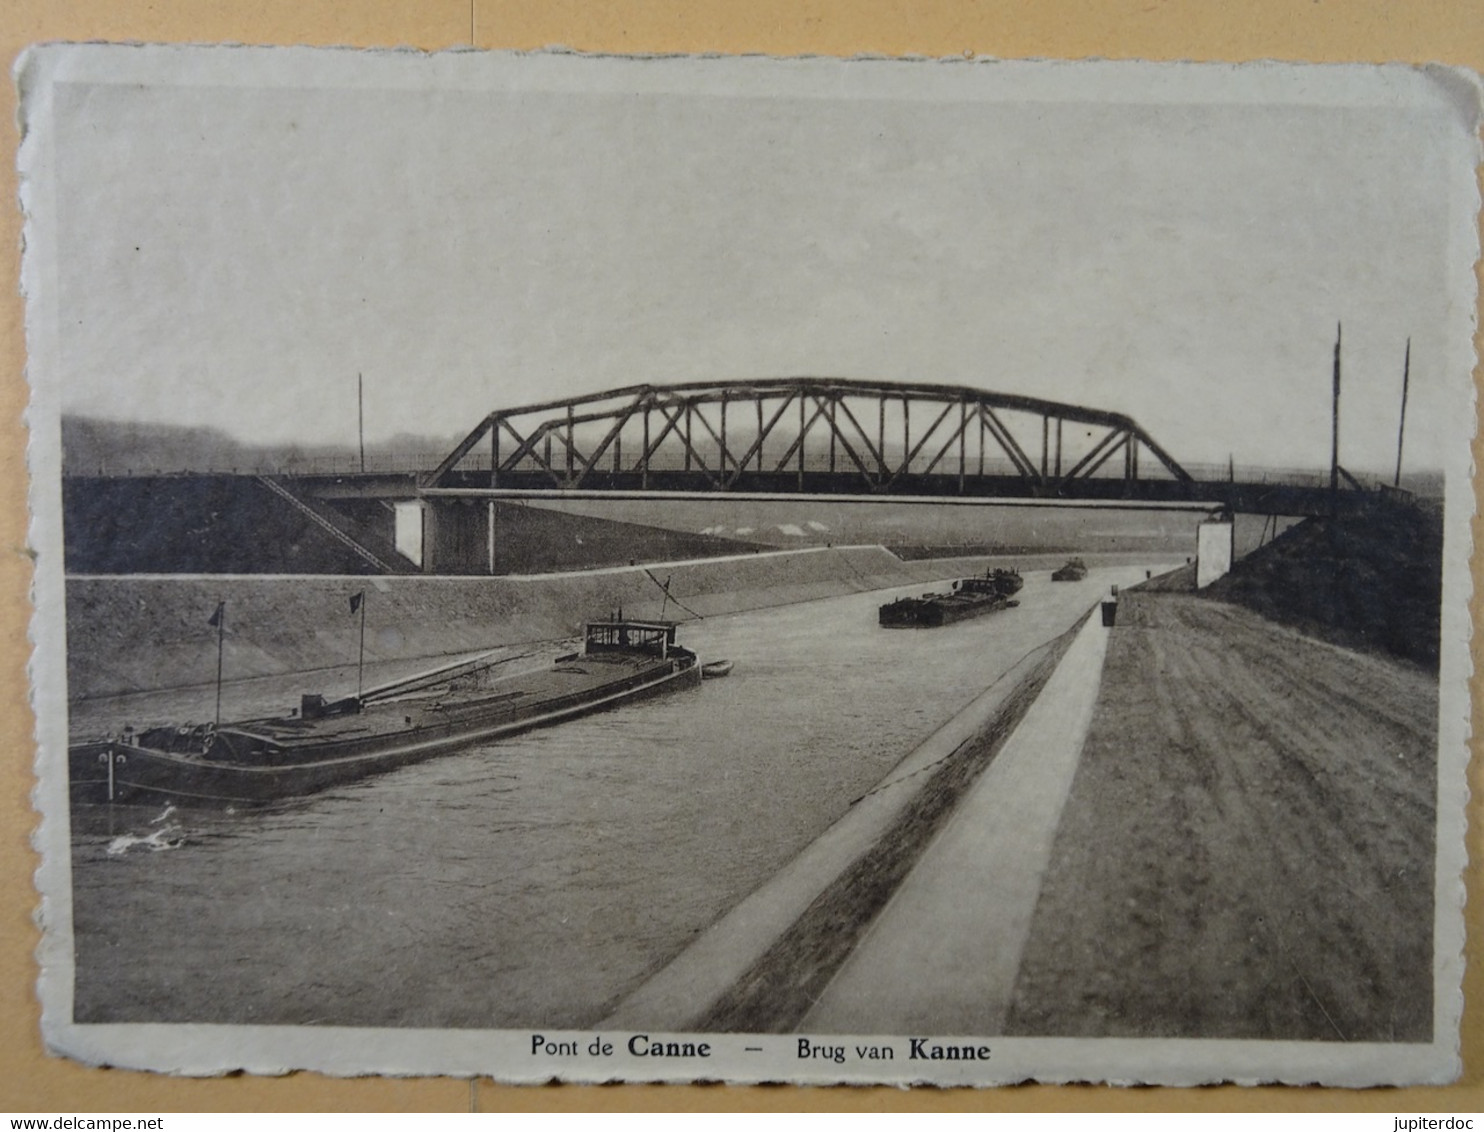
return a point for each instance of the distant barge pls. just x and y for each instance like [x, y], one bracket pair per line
[1074, 571]
[328, 743]
[970, 597]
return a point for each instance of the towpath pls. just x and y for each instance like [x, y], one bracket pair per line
[942, 956]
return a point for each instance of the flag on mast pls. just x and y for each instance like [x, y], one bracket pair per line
[356, 599]
[219, 616]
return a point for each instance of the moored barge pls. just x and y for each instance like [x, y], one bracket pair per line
[970, 597]
[330, 742]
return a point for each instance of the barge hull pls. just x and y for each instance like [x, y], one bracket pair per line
[932, 614]
[145, 776]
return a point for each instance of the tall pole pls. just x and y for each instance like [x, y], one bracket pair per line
[881, 436]
[1402, 427]
[760, 434]
[803, 428]
[1334, 428]
[361, 419]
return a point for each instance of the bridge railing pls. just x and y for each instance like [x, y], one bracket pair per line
[1256, 473]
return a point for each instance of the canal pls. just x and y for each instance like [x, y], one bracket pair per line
[537, 881]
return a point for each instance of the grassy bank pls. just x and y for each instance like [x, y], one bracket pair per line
[1371, 580]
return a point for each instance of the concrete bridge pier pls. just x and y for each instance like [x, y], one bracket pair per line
[458, 536]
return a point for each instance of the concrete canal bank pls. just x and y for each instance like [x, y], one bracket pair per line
[762, 966]
[129, 633]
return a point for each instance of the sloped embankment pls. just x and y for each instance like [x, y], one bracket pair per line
[243, 524]
[133, 633]
[137, 633]
[1372, 580]
[537, 540]
[194, 524]
[1247, 849]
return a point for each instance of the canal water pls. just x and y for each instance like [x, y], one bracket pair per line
[537, 881]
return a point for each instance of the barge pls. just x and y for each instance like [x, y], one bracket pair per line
[326, 743]
[970, 597]
[1074, 571]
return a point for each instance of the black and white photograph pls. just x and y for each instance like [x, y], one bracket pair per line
[561, 567]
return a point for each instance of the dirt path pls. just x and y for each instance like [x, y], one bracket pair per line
[1247, 850]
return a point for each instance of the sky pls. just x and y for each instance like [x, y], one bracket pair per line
[234, 253]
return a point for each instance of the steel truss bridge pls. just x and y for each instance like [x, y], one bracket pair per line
[809, 435]
[798, 438]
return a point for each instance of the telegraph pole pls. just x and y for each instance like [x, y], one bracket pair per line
[361, 419]
[1402, 427]
[1334, 431]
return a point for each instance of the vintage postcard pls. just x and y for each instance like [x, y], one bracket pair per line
[686, 569]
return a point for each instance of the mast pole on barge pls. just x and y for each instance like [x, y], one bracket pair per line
[219, 619]
[359, 602]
